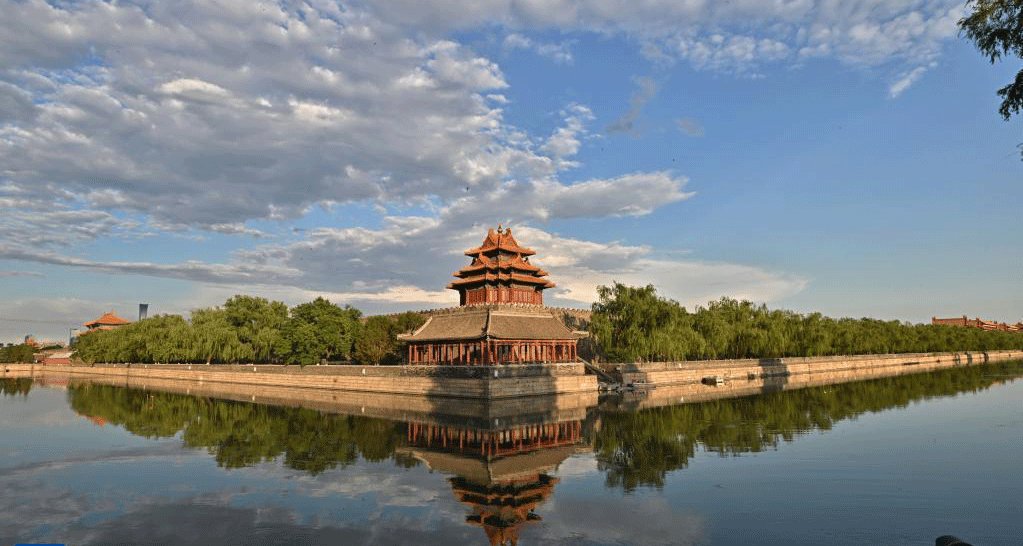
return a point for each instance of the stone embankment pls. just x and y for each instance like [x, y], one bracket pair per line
[475, 382]
[406, 386]
[812, 370]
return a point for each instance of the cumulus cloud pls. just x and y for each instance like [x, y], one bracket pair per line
[195, 114]
[566, 141]
[201, 116]
[119, 121]
[192, 271]
[736, 37]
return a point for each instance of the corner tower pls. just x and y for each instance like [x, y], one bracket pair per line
[501, 319]
[500, 272]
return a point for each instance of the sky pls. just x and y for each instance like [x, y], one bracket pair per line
[845, 157]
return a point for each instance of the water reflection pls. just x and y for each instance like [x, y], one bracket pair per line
[636, 448]
[15, 387]
[633, 448]
[503, 474]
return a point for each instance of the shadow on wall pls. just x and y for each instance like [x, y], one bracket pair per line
[775, 374]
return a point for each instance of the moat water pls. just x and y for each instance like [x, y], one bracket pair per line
[896, 461]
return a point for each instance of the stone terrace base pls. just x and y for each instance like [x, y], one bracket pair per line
[475, 382]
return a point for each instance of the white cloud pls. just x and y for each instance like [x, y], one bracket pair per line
[736, 36]
[194, 115]
[905, 80]
[566, 141]
[120, 121]
[559, 53]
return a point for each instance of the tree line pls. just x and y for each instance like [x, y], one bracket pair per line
[249, 329]
[628, 324]
[633, 323]
[23, 352]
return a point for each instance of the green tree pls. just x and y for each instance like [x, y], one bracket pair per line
[333, 329]
[633, 323]
[996, 27]
[377, 341]
[17, 353]
[258, 322]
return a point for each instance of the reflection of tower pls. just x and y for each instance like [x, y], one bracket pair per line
[501, 474]
[501, 508]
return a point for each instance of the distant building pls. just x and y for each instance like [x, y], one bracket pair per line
[108, 321]
[982, 324]
[54, 357]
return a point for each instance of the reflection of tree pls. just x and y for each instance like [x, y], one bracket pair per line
[15, 387]
[639, 448]
[240, 434]
[633, 449]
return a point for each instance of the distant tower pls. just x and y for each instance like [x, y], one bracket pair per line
[143, 310]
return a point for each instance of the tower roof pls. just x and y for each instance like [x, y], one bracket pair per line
[501, 260]
[495, 321]
[108, 319]
[497, 241]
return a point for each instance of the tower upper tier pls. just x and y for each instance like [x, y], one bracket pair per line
[500, 272]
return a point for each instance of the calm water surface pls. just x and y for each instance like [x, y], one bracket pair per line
[894, 461]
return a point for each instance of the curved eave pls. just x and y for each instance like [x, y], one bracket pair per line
[501, 278]
[482, 250]
[475, 270]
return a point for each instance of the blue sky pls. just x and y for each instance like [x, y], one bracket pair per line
[845, 157]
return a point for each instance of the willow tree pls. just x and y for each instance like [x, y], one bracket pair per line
[996, 27]
[633, 323]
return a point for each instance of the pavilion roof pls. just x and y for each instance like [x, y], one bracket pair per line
[500, 240]
[108, 319]
[494, 322]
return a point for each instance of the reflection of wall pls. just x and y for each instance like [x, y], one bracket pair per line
[433, 409]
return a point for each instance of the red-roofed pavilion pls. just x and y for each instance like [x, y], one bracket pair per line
[108, 321]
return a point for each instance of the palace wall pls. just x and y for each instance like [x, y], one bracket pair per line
[831, 369]
[476, 382]
[421, 387]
